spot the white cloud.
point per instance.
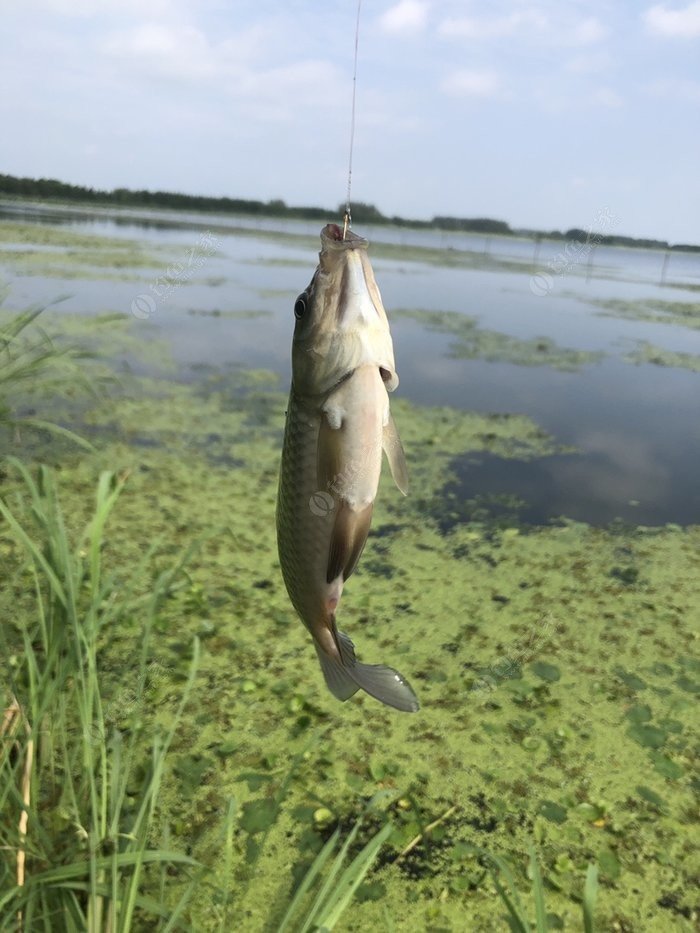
(677, 89)
(464, 83)
(186, 53)
(88, 9)
(683, 23)
(606, 97)
(472, 27)
(163, 60)
(406, 17)
(528, 23)
(589, 63)
(180, 51)
(588, 31)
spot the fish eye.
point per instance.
(300, 306)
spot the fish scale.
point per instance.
(302, 533)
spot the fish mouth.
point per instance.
(357, 300)
(332, 238)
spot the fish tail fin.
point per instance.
(338, 681)
(345, 675)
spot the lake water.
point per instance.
(636, 426)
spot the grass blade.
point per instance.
(538, 893)
(509, 896)
(314, 871)
(54, 429)
(351, 879)
(58, 689)
(590, 895)
(327, 885)
(229, 829)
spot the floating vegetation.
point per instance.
(656, 311)
(56, 252)
(473, 342)
(557, 671)
(38, 235)
(243, 314)
(33, 366)
(279, 261)
(659, 356)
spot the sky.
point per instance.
(548, 115)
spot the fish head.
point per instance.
(340, 321)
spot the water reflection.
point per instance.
(593, 486)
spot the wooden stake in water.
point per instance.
(347, 219)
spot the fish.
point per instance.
(338, 422)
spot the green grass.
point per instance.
(324, 902)
(555, 667)
(76, 818)
(78, 799)
(32, 363)
(518, 916)
(494, 740)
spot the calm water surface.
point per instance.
(637, 427)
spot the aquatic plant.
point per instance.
(504, 882)
(342, 880)
(31, 362)
(557, 665)
(78, 797)
(77, 803)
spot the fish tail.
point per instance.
(345, 676)
(338, 681)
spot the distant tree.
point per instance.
(475, 224)
(364, 213)
(577, 235)
(52, 189)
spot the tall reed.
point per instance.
(75, 835)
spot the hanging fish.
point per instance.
(338, 422)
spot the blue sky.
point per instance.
(544, 114)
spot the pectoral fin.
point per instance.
(347, 540)
(393, 448)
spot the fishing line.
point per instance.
(347, 219)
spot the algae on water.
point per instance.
(473, 342)
(557, 669)
(646, 352)
(554, 669)
(656, 311)
(54, 252)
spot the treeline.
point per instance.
(50, 189)
(590, 236)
